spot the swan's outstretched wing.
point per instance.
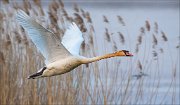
(45, 40)
(73, 39)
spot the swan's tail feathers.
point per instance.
(38, 74)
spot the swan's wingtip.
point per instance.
(20, 11)
(74, 24)
(28, 77)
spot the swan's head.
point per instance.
(38, 74)
(127, 53)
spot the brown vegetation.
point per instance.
(106, 82)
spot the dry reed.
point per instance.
(148, 27)
(177, 46)
(107, 35)
(121, 21)
(140, 65)
(88, 17)
(2, 59)
(5, 1)
(156, 27)
(27, 6)
(164, 36)
(76, 8)
(137, 48)
(83, 13)
(105, 19)
(122, 39)
(142, 30)
(155, 54)
(161, 50)
(139, 39)
(105, 82)
(155, 41)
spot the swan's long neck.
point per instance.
(90, 60)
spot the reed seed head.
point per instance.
(156, 27)
(142, 30)
(148, 27)
(107, 35)
(139, 65)
(5, 1)
(61, 3)
(155, 54)
(76, 8)
(105, 19)
(137, 48)
(37, 2)
(114, 46)
(78, 18)
(122, 39)
(161, 50)
(121, 21)
(139, 39)
(83, 13)
(88, 17)
(164, 36)
(155, 41)
(177, 46)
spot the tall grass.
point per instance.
(105, 82)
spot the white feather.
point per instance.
(73, 39)
(44, 39)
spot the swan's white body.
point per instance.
(61, 57)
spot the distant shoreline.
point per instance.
(119, 3)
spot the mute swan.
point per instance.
(61, 57)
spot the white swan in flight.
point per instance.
(61, 57)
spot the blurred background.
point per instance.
(148, 29)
